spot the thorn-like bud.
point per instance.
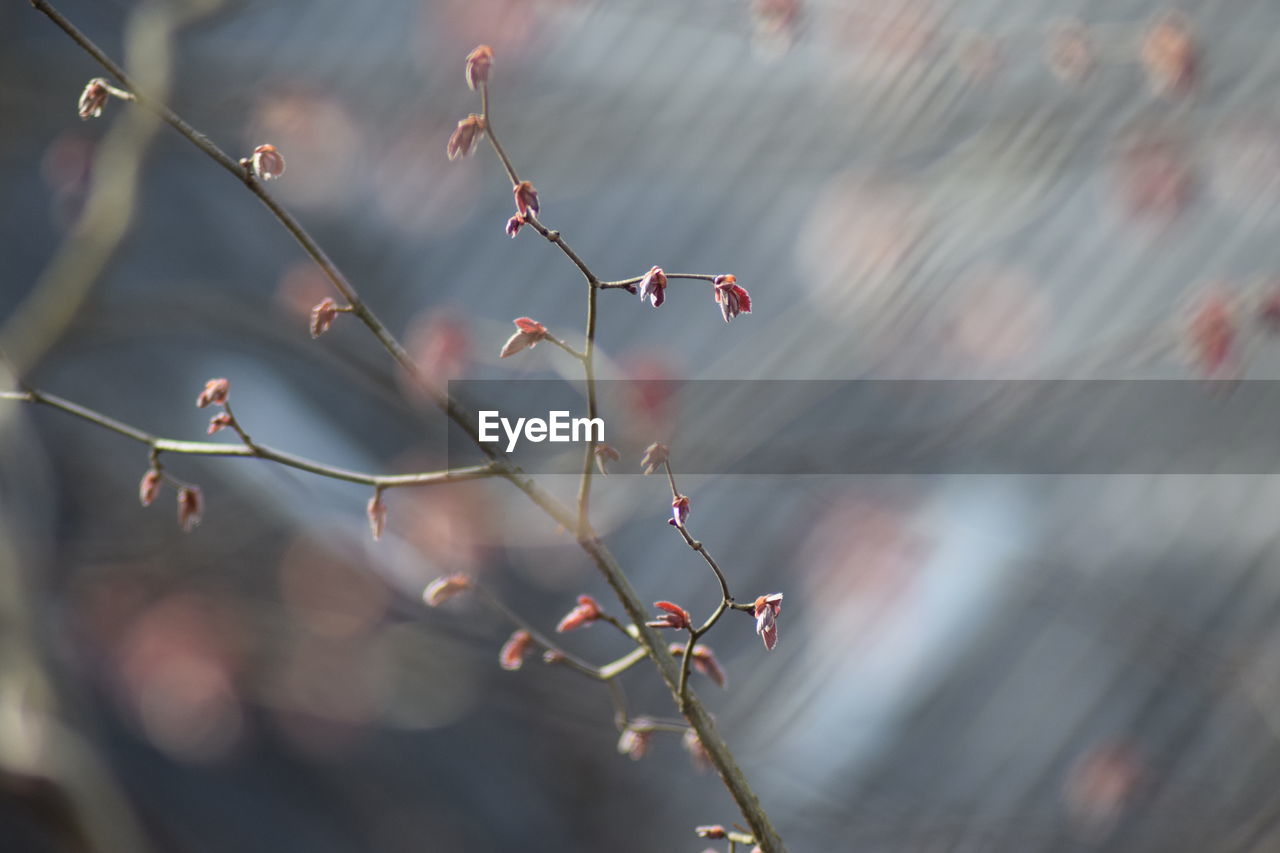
(214, 393)
(654, 286)
(604, 455)
(479, 63)
(528, 333)
(767, 609)
(322, 316)
(673, 616)
(514, 650)
(466, 136)
(267, 163)
(377, 512)
(655, 455)
(733, 299)
(442, 589)
(149, 488)
(526, 199)
(219, 421)
(94, 98)
(584, 614)
(190, 507)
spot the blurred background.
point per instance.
(944, 189)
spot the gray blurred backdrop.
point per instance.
(908, 188)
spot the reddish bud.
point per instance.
(584, 614)
(654, 286)
(267, 163)
(94, 98)
(149, 488)
(528, 333)
(479, 62)
(655, 456)
(190, 507)
(715, 831)
(220, 421)
(514, 224)
(767, 609)
(322, 316)
(704, 661)
(514, 650)
(442, 589)
(526, 199)
(733, 299)
(697, 752)
(1169, 56)
(377, 512)
(636, 737)
(674, 616)
(214, 393)
(466, 136)
(679, 511)
(605, 454)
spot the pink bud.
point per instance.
(377, 512)
(514, 650)
(442, 589)
(94, 98)
(551, 656)
(514, 224)
(322, 316)
(715, 831)
(697, 752)
(704, 661)
(526, 199)
(767, 609)
(655, 455)
(584, 614)
(654, 286)
(466, 136)
(636, 737)
(214, 393)
(734, 300)
(679, 511)
(190, 507)
(149, 488)
(1211, 331)
(479, 61)
(267, 162)
(605, 454)
(674, 616)
(528, 333)
(219, 421)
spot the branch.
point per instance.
(260, 451)
(697, 715)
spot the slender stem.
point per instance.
(569, 660)
(630, 282)
(686, 661)
(588, 454)
(212, 448)
(564, 346)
